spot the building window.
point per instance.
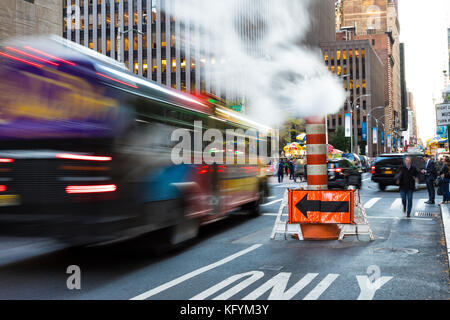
(373, 42)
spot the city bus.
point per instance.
(86, 150)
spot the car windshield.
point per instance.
(348, 156)
(389, 161)
(333, 165)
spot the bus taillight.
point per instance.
(3, 188)
(82, 157)
(6, 160)
(91, 189)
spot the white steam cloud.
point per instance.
(256, 52)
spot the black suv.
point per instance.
(343, 173)
(385, 166)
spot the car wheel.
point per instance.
(382, 187)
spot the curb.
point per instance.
(445, 214)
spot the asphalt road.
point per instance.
(236, 259)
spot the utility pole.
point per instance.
(119, 39)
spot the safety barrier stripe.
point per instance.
(316, 139)
(316, 149)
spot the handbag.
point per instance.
(438, 181)
(398, 176)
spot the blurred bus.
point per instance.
(85, 150)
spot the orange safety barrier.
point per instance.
(321, 207)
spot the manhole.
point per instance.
(401, 250)
(271, 268)
(425, 214)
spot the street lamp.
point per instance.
(352, 106)
(119, 39)
(384, 129)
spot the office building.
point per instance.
(30, 17)
(362, 73)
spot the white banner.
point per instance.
(375, 135)
(348, 125)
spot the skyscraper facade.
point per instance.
(377, 21)
(30, 17)
(148, 37)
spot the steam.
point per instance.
(277, 75)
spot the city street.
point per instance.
(235, 259)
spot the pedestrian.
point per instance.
(280, 172)
(405, 177)
(430, 177)
(299, 168)
(444, 174)
(286, 167)
(291, 170)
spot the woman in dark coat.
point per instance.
(406, 177)
(444, 173)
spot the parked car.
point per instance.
(343, 173)
(385, 166)
(354, 158)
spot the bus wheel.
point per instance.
(253, 207)
(175, 236)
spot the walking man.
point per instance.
(280, 172)
(430, 176)
(406, 177)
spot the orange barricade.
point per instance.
(321, 207)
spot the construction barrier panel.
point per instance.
(321, 207)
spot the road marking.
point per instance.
(273, 214)
(194, 273)
(369, 204)
(321, 287)
(254, 276)
(400, 218)
(369, 288)
(396, 203)
(272, 202)
(278, 285)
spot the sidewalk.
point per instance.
(445, 214)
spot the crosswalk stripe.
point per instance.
(321, 287)
(271, 202)
(369, 204)
(396, 203)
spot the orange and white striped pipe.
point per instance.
(316, 153)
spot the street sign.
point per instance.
(305, 205)
(443, 114)
(326, 207)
